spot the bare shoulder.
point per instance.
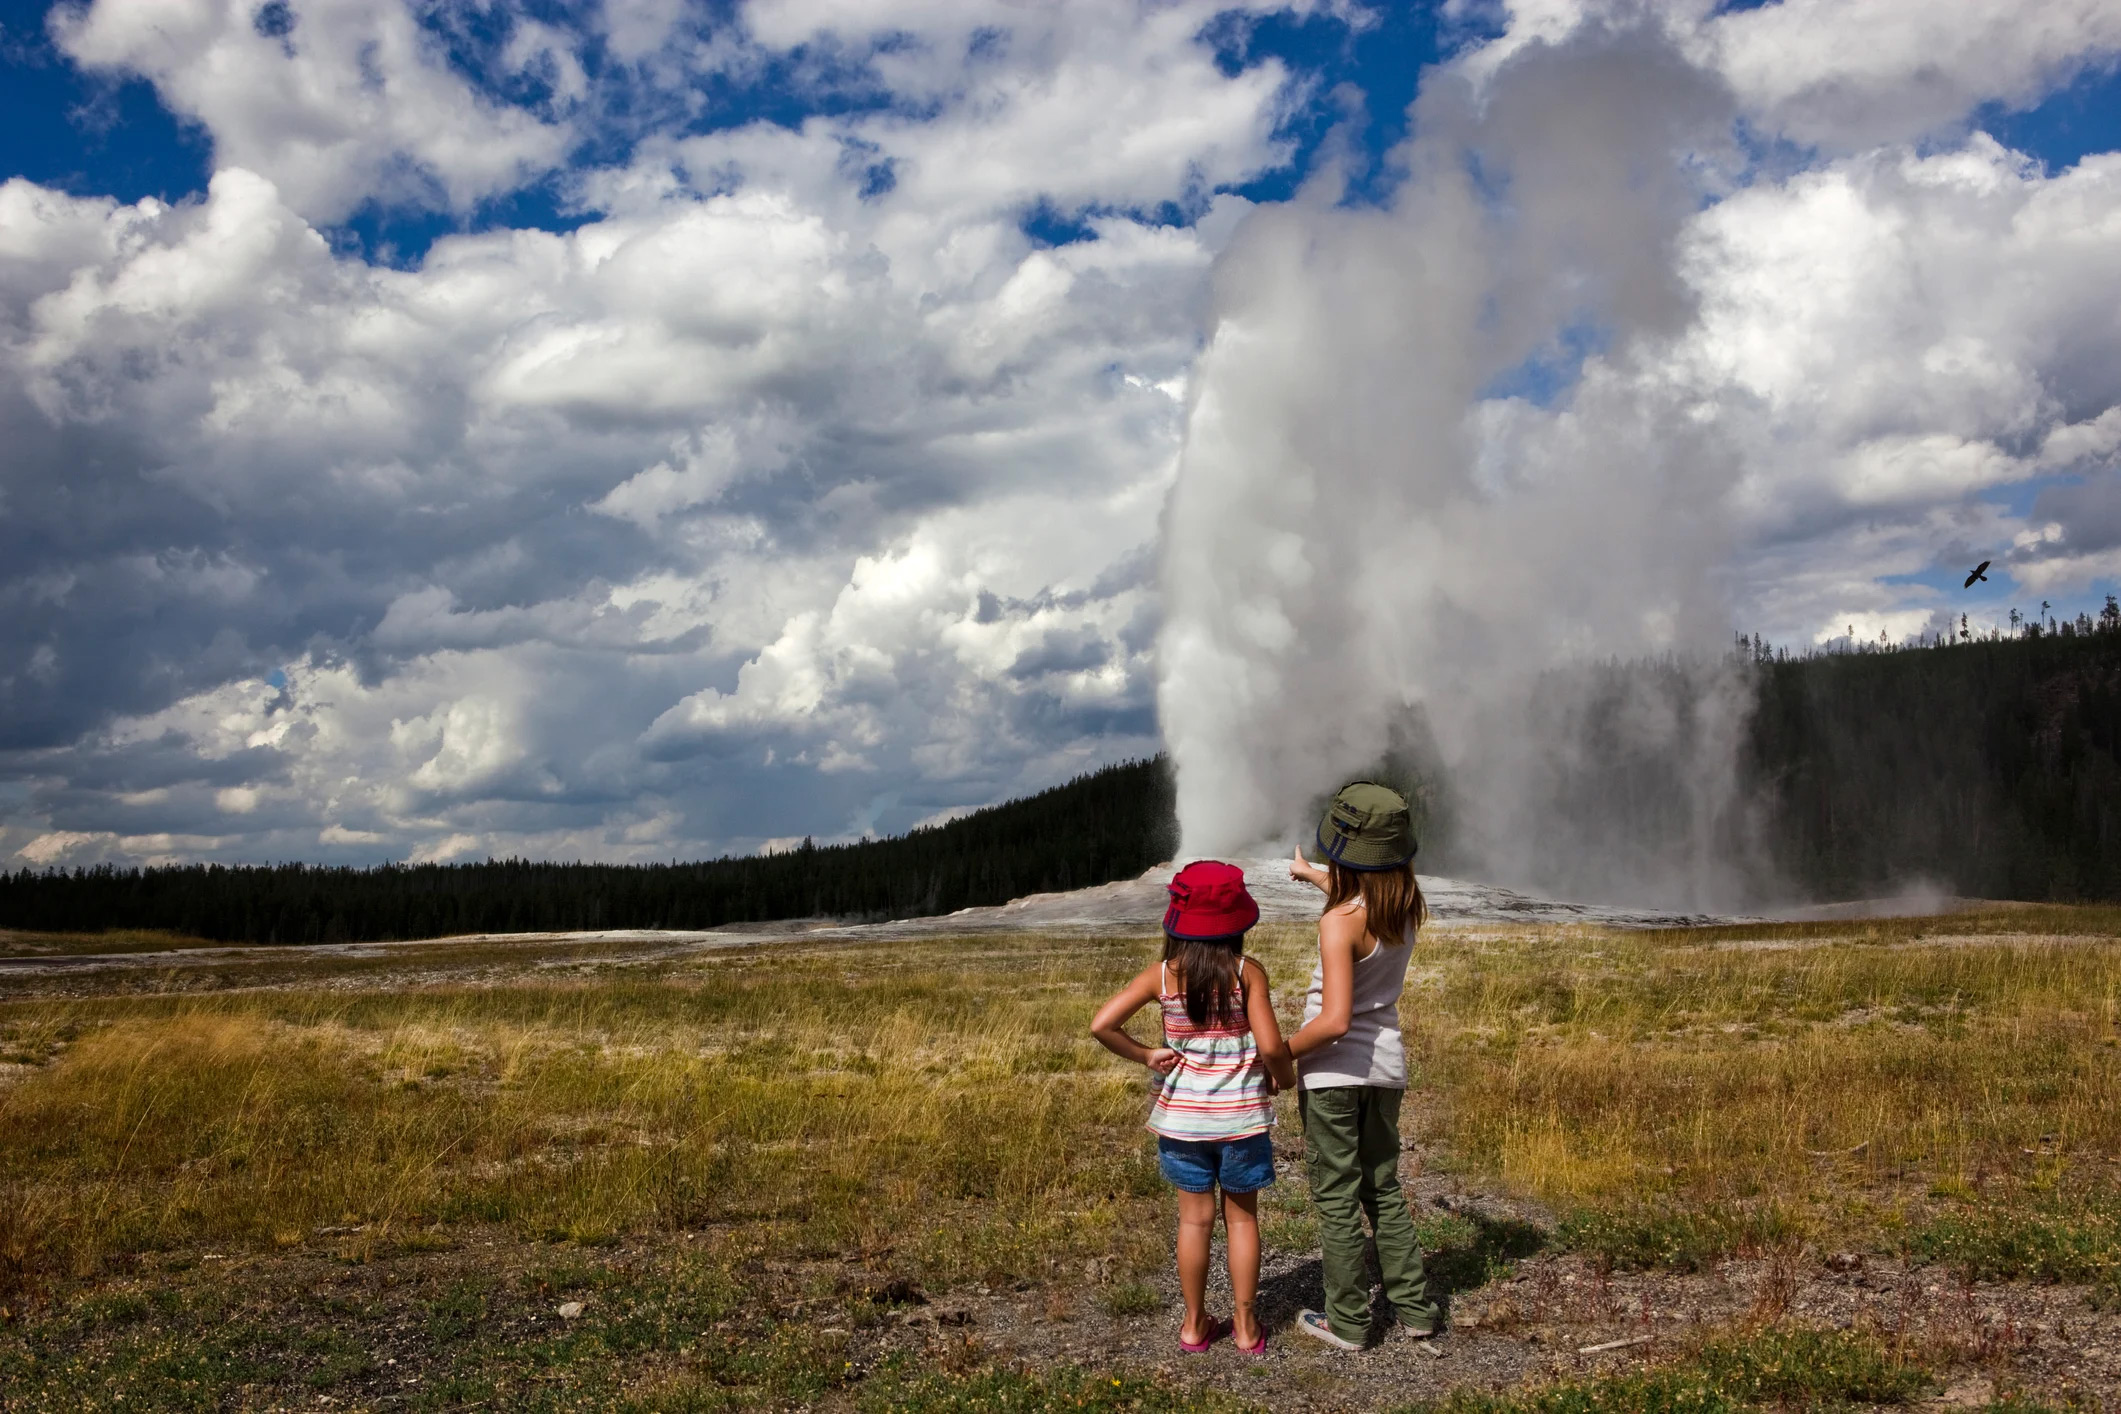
(1343, 925)
(1255, 968)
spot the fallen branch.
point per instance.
(1604, 1346)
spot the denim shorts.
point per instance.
(1234, 1165)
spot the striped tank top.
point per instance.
(1218, 1089)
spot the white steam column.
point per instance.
(1361, 521)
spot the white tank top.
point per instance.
(1372, 1052)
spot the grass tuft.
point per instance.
(1132, 1298)
(1675, 1238)
(1788, 1367)
(1025, 1392)
(2057, 1239)
(1464, 1251)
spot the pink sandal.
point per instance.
(1259, 1349)
(1217, 1329)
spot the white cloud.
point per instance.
(355, 100)
(1897, 335)
(1866, 626)
(757, 506)
(1850, 74)
(444, 850)
(237, 800)
(73, 847)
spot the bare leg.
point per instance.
(1196, 1225)
(1241, 1230)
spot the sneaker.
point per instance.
(1315, 1325)
(1415, 1332)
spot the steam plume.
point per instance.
(1361, 529)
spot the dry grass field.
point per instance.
(1873, 1163)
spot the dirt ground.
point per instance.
(1534, 1324)
(1547, 1315)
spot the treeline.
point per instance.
(1989, 766)
(1983, 762)
(1105, 825)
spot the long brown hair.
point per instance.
(1391, 897)
(1207, 969)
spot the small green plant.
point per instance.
(2025, 1404)
(113, 1308)
(1287, 1220)
(1064, 1391)
(1778, 1367)
(333, 1359)
(1132, 1298)
(1674, 1238)
(458, 1311)
(2061, 1239)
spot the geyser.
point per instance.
(1393, 500)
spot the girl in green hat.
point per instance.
(1351, 1062)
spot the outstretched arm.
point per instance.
(1110, 1024)
(1266, 1029)
(1304, 871)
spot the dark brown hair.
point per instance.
(1391, 897)
(1207, 969)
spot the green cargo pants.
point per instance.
(1351, 1154)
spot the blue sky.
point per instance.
(108, 134)
(644, 427)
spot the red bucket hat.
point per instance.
(1208, 900)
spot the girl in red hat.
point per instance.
(1221, 1060)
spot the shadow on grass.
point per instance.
(1460, 1252)
(1468, 1250)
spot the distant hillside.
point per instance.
(1106, 825)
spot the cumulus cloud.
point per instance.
(336, 102)
(774, 500)
(1845, 75)
(1893, 337)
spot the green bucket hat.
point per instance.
(1368, 827)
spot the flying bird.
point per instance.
(1980, 573)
